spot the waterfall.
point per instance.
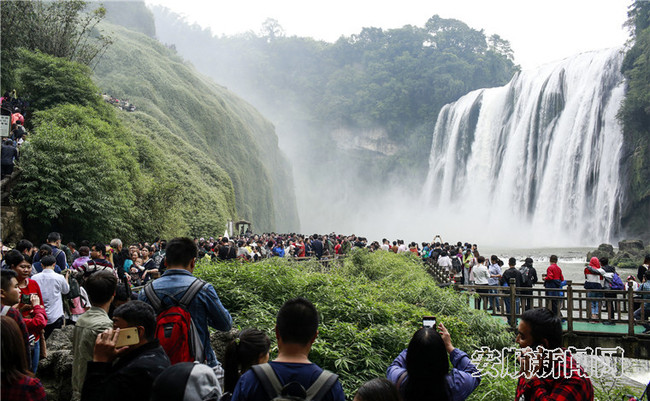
(537, 159)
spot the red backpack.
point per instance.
(175, 328)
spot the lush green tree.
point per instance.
(61, 28)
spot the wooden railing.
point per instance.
(572, 304)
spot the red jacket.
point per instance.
(554, 273)
(35, 319)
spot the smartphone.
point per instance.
(128, 336)
(25, 299)
(429, 321)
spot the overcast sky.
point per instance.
(539, 31)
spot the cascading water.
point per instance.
(536, 160)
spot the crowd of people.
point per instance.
(156, 344)
(17, 108)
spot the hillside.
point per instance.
(189, 158)
(175, 104)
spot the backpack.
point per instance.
(293, 391)
(525, 276)
(456, 265)
(617, 283)
(175, 328)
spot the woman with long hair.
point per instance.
(421, 372)
(250, 347)
(31, 303)
(17, 381)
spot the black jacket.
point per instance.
(128, 378)
(512, 273)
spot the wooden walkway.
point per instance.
(573, 303)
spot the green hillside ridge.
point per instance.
(92, 172)
(213, 121)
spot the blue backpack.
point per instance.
(617, 283)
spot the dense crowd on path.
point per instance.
(155, 345)
(17, 108)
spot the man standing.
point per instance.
(206, 308)
(296, 329)
(554, 279)
(125, 373)
(52, 285)
(547, 371)
(529, 277)
(54, 240)
(511, 272)
(317, 246)
(101, 290)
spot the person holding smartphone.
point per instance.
(127, 358)
(421, 372)
(31, 303)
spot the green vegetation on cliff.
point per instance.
(191, 157)
(370, 307)
(208, 117)
(635, 115)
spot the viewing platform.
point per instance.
(614, 324)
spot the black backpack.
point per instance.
(525, 276)
(293, 391)
(456, 265)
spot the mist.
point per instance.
(360, 180)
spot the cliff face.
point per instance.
(213, 122)
(635, 115)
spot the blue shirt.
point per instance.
(248, 387)
(460, 382)
(495, 270)
(206, 308)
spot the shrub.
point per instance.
(370, 306)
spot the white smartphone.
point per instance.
(429, 321)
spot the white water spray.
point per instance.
(535, 162)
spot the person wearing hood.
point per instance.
(186, 381)
(594, 275)
(529, 279)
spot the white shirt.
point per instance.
(481, 274)
(53, 285)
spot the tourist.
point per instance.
(511, 273)
(205, 309)
(612, 282)
(296, 330)
(130, 377)
(554, 279)
(594, 276)
(43, 251)
(101, 290)
(529, 279)
(643, 268)
(18, 383)
(379, 389)
(421, 372)
(9, 156)
(54, 241)
(444, 261)
(555, 375)
(10, 296)
(33, 311)
(645, 286)
(481, 277)
(250, 347)
(187, 381)
(495, 275)
(53, 286)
